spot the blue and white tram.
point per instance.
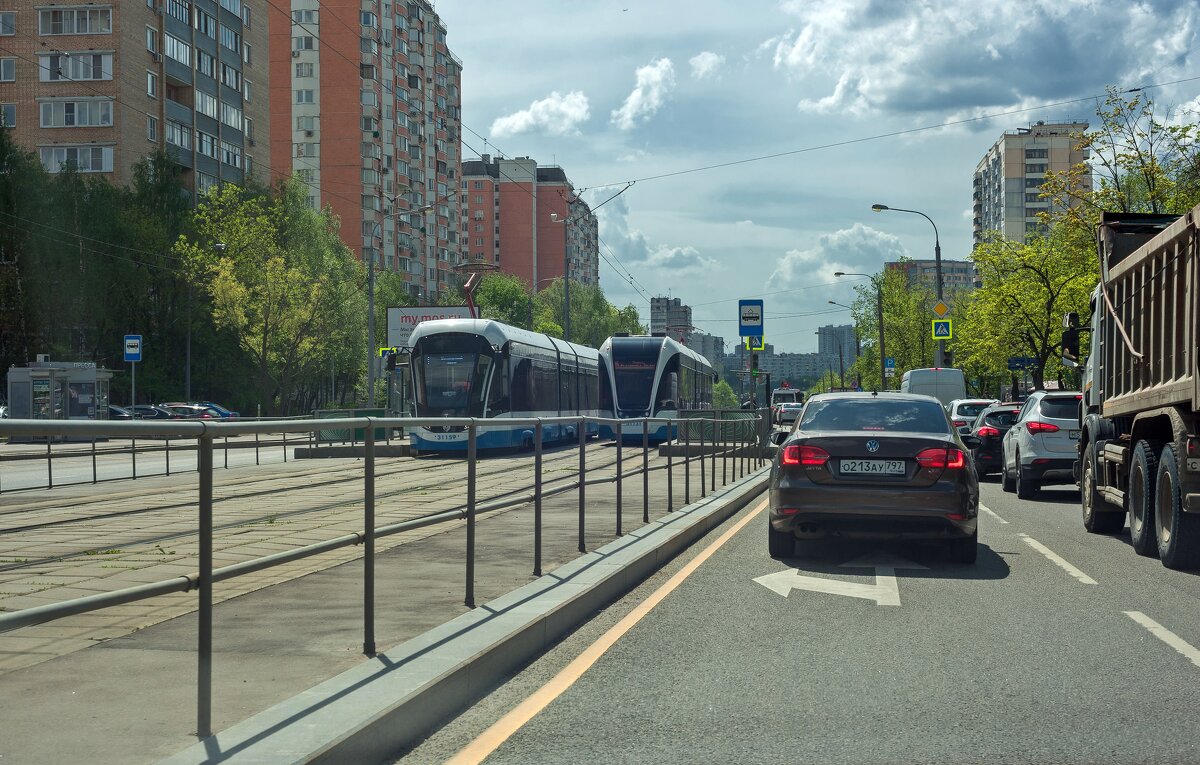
(482, 368)
(653, 377)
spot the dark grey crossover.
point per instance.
(866, 465)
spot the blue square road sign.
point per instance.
(133, 347)
(750, 318)
(943, 329)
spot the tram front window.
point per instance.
(633, 372)
(448, 383)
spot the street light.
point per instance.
(937, 260)
(566, 276)
(879, 309)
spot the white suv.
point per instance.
(1041, 446)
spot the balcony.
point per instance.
(177, 112)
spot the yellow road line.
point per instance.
(503, 729)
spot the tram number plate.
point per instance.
(872, 467)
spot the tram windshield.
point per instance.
(633, 372)
(449, 374)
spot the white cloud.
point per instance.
(654, 83)
(632, 248)
(856, 249)
(705, 64)
(556, 114)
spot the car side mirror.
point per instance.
(1070, 347)
(971, 442)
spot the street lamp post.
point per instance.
(879, 310)
(566, 274)
(937, 262)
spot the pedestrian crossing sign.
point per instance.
(755, 343)
(943, 329)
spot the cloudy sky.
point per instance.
(853, 100)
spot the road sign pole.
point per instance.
(132, 384)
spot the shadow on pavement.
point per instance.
(826, 557)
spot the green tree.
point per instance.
(724, 397)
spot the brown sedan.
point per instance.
(866, 465)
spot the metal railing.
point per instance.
(740, 451)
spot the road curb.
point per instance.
(390, 703)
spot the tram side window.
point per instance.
(522, 389)
(499, 400)
(545, 386)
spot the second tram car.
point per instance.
(654, 377)
(482, 368)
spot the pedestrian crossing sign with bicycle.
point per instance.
(943, 329)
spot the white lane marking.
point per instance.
(992, 513)
(1190, 652)
(1057, 560)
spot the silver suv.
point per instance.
(1041, 445)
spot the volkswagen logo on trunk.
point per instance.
(872, 446)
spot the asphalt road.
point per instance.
(1057, 646)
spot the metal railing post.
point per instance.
(226, 450)
(724, 454)
(703, 481)
(49, 465)
(620, 439)
(133, 455)
(713, 462)
(285, 447)
(582, 481)
(255, 448)
(93, 460)
(645, 471)
(670, 473)
(471, 446)
(368, 542)
(687, 461)
(205, 595)
(537, 498)
(167, 454)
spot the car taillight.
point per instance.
(1041, 427)
(960, 423)
(796, 454)
(988, 430)
(942, 457)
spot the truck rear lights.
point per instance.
(1193, 446)
(956, 516)
(942, 457)
(988, 430)
(810, 456)
(1041, 427)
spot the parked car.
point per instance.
(1042, 445)
(151, 412)
(989, 427)
(119, 413)
(191, 411)
(861, 465)
(225, 413)
(788, 413)
(3, 412)
(963, 411)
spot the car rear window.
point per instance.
(971, 410)
(875, 415)
(1060, 407)
(1003, 418)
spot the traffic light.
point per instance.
(754, 364)
(391, 362)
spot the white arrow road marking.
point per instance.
(885, 591)
(992, 513)
(1170, 638)
(1057, 559)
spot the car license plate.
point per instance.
(1073, 435)
(872, 467)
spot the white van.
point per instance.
(944, 384)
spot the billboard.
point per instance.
(401, 321)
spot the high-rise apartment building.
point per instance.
(670, 316)
(526, 221)
(366, 110)
(100, 85)
(838, 341)
(711, 347)
(1007, 186)
(956, 274)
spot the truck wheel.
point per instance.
(1177, 533)
(1027, 488)
(1142, 479)
(1099, 515)
(780, 544)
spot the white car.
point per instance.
(788, 413)
(963, 412)
(1042, 445)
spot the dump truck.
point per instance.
(1139, 452)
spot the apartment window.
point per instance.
(233, 6)
(370, 202)
(152, 39)
(1036, 154)
(246, 88)
(206, 104)
(178, 50)
(151, 84)
(370, 176)
(370, 124)
(54, 67)
(248, 163)
(304, 17)
(306, 123)
(304, 96)
(368, 19)
(305, 149)
(8, 70)
(230, 39)
(247, 54)
(478, 199)
(206, 143)
(152, 129)
(8, 23)
(179, 9)
(90, 113)
(8, 115)
(231, 154)
(306, 175)
(1039, 167)
(366, 71)
(75, 21)
(179, 135)
(368, 45)
(85, 159)
(1033, 183)
(206, 24)
(246, 16)
(231, 77)
(369, 98)
(248, 130)
(479, 184)
(231, 116)
(1034, 198)
(304, 70)
(205, 183)
(206, 64)
(303, 43)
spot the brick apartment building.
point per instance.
(100, 85)
(366, 109)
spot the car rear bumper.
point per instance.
(988, 461)
(815, 511)
(1049, 469)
